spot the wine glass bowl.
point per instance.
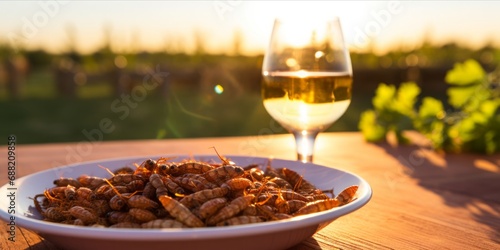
(307, 79)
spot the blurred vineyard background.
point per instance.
(48, 97)
(54, 97)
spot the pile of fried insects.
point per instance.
(165, 194)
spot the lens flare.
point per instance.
(218, 89)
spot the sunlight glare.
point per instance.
(319, 54)
(291, 62)
(218, 89)
(351, 15)
(302, 74)
(304, 113)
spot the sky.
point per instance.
(175, 25)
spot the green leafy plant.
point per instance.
(471, 125)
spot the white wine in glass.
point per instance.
(307, 79)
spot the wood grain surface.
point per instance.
(421, 199)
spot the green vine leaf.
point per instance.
(394, 111)
(460, 96)
(372, 131)
(384, 96)
(473, 127)
(469, 72)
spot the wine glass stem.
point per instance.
(304, 142)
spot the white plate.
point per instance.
(267, 235)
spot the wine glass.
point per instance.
(307, 79)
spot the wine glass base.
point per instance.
(304, 158)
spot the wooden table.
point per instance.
(421, 200)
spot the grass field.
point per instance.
(41, 117)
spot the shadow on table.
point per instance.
(474, 177)
(43, 245)
(307, 244)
